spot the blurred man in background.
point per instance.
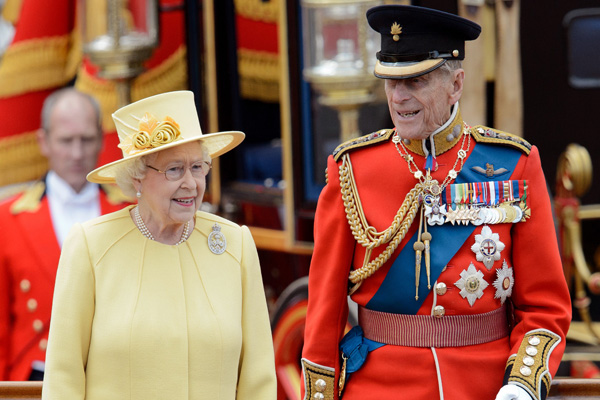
(36, 221)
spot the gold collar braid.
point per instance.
(367, 235)
(443, 140)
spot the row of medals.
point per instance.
(476, 214)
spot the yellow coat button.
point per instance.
(439, 311)
(43, 344)
(32, 305)
(38, 325)
(25, 285)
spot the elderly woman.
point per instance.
(160, 300)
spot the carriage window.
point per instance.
(583, 38)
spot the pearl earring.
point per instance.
(138, 194)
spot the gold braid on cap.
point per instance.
(367, 235)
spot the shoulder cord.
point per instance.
(367, 235)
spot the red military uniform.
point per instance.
(498, 308)
(28, 260)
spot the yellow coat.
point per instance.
(137, 319)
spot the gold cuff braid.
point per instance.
(529, 369)
(319, 381)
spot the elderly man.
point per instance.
(442, 233)
(35, 223)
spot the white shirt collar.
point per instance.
(62, 191)
(68, 207)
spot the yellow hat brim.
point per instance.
(216, 144)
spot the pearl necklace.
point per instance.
(142, 227)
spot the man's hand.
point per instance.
(512, 392)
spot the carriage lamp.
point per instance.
(339, 56)
(118, 36)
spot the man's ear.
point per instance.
(458, 78)
(42, 139)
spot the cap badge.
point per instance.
(216, 240)
(396, 31)
(151, 133)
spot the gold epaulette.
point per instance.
(484, 134)
(12, 10)
(114, 195)
(366, 140)
(529, 368)
(30, 200)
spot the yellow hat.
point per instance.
(157, 123)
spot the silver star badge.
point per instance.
(487, 247)
(504, 282)
(471, 284)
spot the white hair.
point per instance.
(451, 66)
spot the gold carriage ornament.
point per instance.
(573, 180)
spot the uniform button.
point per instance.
(38, 325)
(440, 289)
(439, 311)
(319, 396)
(32, 305)
(525, 371)
(43, 344)
(529, 361)
(530, 350)
(534, 340)
(320, 385)
(25, 285)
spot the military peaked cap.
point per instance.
(417, 40)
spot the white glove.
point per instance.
(512, 392)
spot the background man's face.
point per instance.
(73, 143)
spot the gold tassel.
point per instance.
(419, 246)
(427, 241)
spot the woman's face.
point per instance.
(164, 202)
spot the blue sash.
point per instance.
(397, 292)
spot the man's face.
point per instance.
(420, 105)
(73, 143)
